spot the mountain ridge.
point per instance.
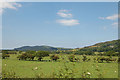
(37, 48)
(102, 46)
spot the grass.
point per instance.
(26, 69)
(0, 64)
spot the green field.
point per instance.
(0, 64)
(26, 69)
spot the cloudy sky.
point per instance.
(69, 25)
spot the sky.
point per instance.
(58, 24)
(59, 0)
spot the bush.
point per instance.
(4, 52)
(31, 52)
(24, 56)
(31, 56)
(54, 57)
(4, 56)
(12, 52)
(84, 58)
(118, 60)
(71, 58)
(9, 52)
(41, 54)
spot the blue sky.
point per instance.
(64, 24)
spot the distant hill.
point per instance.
(99, 47)
(102, 47)
(37, 48)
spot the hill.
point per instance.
(103, 46)
(37, 48)
(99, 47)
(108, 47)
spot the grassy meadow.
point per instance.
(62, 68)
(0, 64)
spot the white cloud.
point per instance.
(113, 17)
(66, 22)
(115, 24)
(70, 22)
(8, 5)
(64, 14)
(101, 18)
(63, 10)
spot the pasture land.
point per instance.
(60, 68)
(0, 64)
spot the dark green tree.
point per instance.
(54, 57)
(41, 54)
(71, 58)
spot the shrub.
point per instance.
(6, 74)
(118, 60)
(9, 52)
(4, 56)
(20, 52)
(24, 56)
(12, 52)
(77, 59)
(71, 58)
(4, 52)
(41, 54)
(54, 57)
(31, 56)
(84, 58)
(31, 52)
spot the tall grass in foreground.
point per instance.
(65, 71)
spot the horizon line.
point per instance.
(59, 46)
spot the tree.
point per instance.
(119, 60)
(4, 52)
(24, 56)
(71, 58)
(9, 52)
(20, 52)
(31, 52)
(31, 56)
(110, 53)
(54, 57)
(41, 54)
(12, 52)
(84, 58)
(4, 56)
